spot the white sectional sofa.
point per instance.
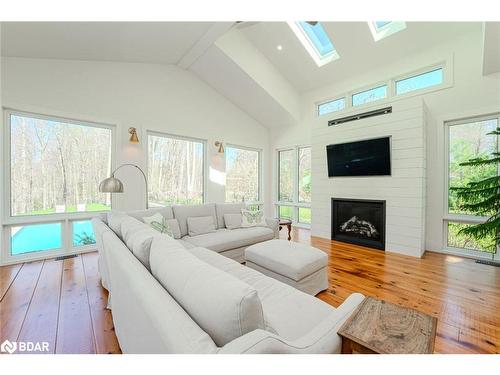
(167, 297)
(230, 243)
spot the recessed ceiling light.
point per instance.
(279, 47)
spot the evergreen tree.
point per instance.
(483, 198)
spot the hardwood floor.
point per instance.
(63, 303)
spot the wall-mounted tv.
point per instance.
(363, 158)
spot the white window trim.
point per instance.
(182, 138)
(260, 174)
(311, 48)
(460, 218)
(295, 181)
(446, 64)
(65, 219)
(389, 29)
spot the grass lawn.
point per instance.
(91, 207)
(286, 212)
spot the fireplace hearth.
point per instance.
(359, 221)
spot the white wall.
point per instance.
(471, 94)
(161, 98)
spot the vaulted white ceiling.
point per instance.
(140, 42)
(353, 41)
(242, 61)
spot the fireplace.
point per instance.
(359, 221)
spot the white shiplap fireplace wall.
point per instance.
(403, 191)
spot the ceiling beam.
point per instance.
(204, 43)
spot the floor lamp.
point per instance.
(114, 185)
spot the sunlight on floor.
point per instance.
(452, 259)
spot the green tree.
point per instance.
(482, 197)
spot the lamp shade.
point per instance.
(111, 185)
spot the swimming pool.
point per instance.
(41, 237)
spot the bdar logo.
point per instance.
(8, 347)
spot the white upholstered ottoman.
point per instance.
(292, 263)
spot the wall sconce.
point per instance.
(220, 147)
(133, 135)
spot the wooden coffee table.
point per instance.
(286, 223)
(381, 327)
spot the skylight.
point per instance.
(383, 29)
(313, 37)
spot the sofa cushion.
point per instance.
(227, 208)
(232, 221)
(162, 225)
(129, 226)
(225, 239)
(166, 212)
(115, 219)
(200, 225)
(223, 306)
(287, 311)
(181, 213)
(137, 237)
(251, 218)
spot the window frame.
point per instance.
(295, 204)
(311, 48)
(461, 218)
(446, 64)
(390, 28)
(182, 138)
(66, 219)
(260, 185)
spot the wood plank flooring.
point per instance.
(60, 302)
(63, 303)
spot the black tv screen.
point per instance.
(364, 158)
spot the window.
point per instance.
(53, 168)
(420, 81)
(294, 184)
(285, 173)
(32, 238)
(315, 40)
(467, 139)
(56, 166)
(175, 170)
(331, 106)
(83, 234)
(383, 29)
(242, 174)
(305, 174)
(370, 95)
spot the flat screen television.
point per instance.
(363, 158)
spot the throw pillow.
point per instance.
(252, 218)
(159, 223)
(200, 225)
(232, 221)
(169, 227)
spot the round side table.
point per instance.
(288, 224)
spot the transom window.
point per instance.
(242, 174)
(315, 40)
(175, 170)
(419, 81)
(370, 95)
(331, 106)
(435, 77)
